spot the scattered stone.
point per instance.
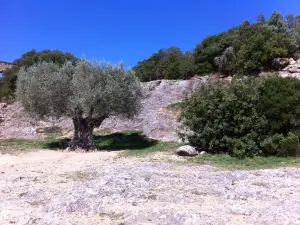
(186, 150)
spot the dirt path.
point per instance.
(48, 187)
(51, 162)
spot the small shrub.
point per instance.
(289, 146)
(281, 146)
(270, 145)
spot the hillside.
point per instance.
(155, 120)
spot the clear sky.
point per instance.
(121, 30)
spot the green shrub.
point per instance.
(270, 145)
(289, 146)
(245, 118)
(223, 119)
(280, 104)
(281, 145)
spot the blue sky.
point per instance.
(121, 30)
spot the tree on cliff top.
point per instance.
(87, 92)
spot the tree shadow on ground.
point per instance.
(112, 142)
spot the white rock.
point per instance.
(292, 61)
(186, 150)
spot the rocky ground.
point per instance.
(47, 187)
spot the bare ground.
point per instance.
(52, 187)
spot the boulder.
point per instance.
(186, 150)
(203, 153)
(280, 63)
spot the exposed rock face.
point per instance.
(14, 123)
(280, 63)
(292, 70)
(186, 150)
(155, 120)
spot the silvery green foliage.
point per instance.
(96, 89)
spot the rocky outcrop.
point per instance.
(292, 70)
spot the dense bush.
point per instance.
(223, 119)
(245, 118)
(280, 104)
(8, 81)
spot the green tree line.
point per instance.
(245, 49)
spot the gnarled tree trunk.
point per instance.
(83, 132)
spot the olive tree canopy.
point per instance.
(87, 92)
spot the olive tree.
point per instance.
(88, 93)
